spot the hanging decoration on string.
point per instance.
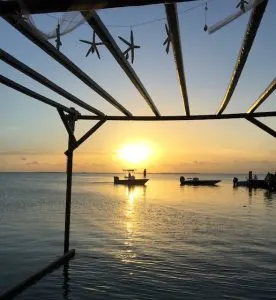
(242, 4)
(70, 20)
(168, 40)
(131, 47)
(94, 45)
(58, 41)
(205, 28)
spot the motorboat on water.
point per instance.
(196, 181)
(269, 182)
(130, 179)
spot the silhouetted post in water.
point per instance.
(250, 176)
(235, 182)
(66, 279)
(71, 142)
(145, 173)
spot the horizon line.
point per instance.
(91, 172)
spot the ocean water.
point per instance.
(161, 241)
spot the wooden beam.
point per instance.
(262, 126)
(13, 292)
(66, 122)
(96, 23)
(172, 17)
(11, 7)
(12, 61)
(180, 118)
(86, 136)
(268, 91)
(20, 88)
(69, 171)
(34, 35)
(249, 37)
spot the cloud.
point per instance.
(11, 153)
(23, 158)
(24, 153)
(34, 162)
(197, 162)
(250, 161)
(14, 128)
(95, 153)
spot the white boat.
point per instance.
(130, 179)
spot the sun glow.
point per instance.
(135, 153)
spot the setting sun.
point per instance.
(135, 153)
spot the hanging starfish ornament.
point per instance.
(131, 47)
(168, 39)
(58, 41)
(94, 45)
(242, 4)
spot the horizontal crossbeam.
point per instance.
(9, 7)
(180, 118)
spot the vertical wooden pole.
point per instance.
(71, 123)
(250, 176)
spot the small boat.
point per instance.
(130, 179)
(268, 183)
(196, 181)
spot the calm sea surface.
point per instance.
(162, 241)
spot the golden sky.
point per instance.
(32, 136)
(205, 146)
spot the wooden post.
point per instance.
(71, 123)
(250, 176)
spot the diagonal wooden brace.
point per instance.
(86, 136)
(262, 126)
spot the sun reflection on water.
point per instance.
(133, 195)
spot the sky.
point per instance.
(32, 136)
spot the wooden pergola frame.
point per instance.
(10, 11)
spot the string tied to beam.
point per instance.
(205, 28)
(242, 5)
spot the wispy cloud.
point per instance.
(14, 128)
(200, 162)
(31, 163)
(23, 153)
